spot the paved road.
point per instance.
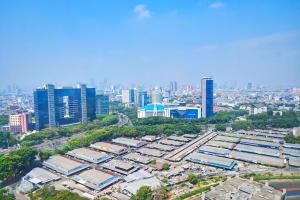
(124, 120)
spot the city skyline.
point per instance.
(149, 42)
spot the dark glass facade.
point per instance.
(41, 109)
(209, 98)
(102, 104)
(142, 99)
(184, 114)
(67, 106)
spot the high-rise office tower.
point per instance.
(249, 86)
(142, 98)
(129, 96)
(102, 104)
(207, 94)
(61, 106)
(173, 87)
(156, 96)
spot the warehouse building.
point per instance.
(191, 136)
(129, 142)
(137, 179)
(291, 152)
(150, 152)
(258, 159)
(36, 178)
(137, 158)
(161, 147)
(64, 165)
(89, 155)
(226, 145)
(238, 188)
(150, 138)
(171, 142)
(291, 146)
(227, 139)
(119, 166)
(257, 143)
(257, 150)
(210, 160)
(214, 151)
(95, 179)
(260, 138)
(263, 134)
(294, 161)
(179, 138)
(110, 148)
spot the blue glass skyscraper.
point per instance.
(55, 107)
(207, 94)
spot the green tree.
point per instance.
(292, 139)
(193, 179)
(160, 193)
(165, 166)
(3, 120)
(143, 193)
(242, 125)
(16, 162)
(49, 193)
(6, 195)
(6, 139)
(221, 127)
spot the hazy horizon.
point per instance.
(149, 42)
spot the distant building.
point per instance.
(142, 98)
(296, 90)
(20, 123)
(207, 94)
(159, 110)
(62, 106)
(184, 112)
(239, 188)
(128, 96)
(173, 87)
(102, 104)
(249, 86)
(296, 132)
(253, 110)
(152, 110)
(156, 96)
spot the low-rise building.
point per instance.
(129, 142)
(20, 123)
(211, 160)
(150, 152)
(135, 180)
(64, 165)
(119, 166)
(110, 148)
(95, 179)
(36, 178)
(89, 155)
(239, 188)
(137, 158)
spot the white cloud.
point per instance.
(142, 12)
(280, 39)
(216, 5)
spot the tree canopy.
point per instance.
(49, 193)
(144, 193)
(17, 161)
(3, 120)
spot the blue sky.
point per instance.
(149, 42)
